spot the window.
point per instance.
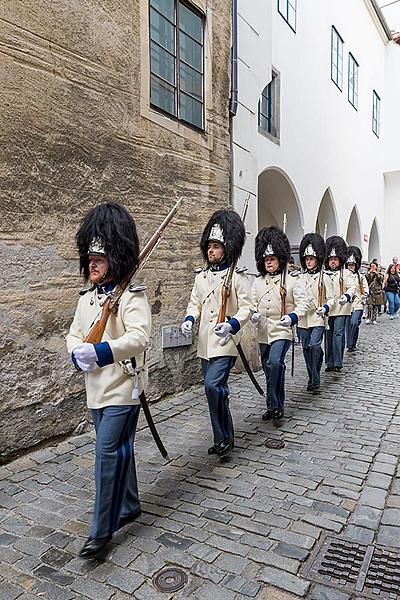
(337, 59)
(376, 113)
(287, 8)
(268, 108)
(353, 81)
(177, 60)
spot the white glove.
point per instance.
(85, 367)
(86, 354)
(321, 311)
(186, 328)
(223, 329)
(343, 300)
(255, 317)
(286, 321)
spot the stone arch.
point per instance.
(353, 235)
(374, 244)
(277, 196)
(327, 216)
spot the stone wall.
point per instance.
(74, 132)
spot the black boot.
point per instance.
(277, 418)
(268, 415)
(224, 447)
(94, 546)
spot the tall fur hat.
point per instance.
(225, 226)
(273, 241)
(109, 229)
(318, 247)
(354, 253)
(336, 246)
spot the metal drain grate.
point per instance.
(170, 580)
(373, 571)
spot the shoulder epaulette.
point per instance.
(295, 273)
(259, 275)
(241, 269)
(137, 288)
(83, 292)
(198, 270)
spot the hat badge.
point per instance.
(216, 234)
(96, 246)
(309, 251)
(269, 251)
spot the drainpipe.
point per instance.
(234, 61)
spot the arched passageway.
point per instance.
(277, 197)
(326, 223)
(374, 246)
(353, 235)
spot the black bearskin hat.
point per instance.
(225, 226)
(110, 225)
(272, 236)
(355, 252)
(336, 243)
(318, 245)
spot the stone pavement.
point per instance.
(240, 527)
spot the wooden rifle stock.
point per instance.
(111, 304)
(282, 291)
(226, 286)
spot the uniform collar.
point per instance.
(313, 271)
(219, 267)
(106, 288)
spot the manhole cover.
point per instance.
(170, 580)
(371, 570)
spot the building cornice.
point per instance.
(379, 19)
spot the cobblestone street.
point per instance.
(240, 527)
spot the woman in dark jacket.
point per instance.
(375, 298)
(392, 286)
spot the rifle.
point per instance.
(282, 288)
(227, 285)
(111, 304)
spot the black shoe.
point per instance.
(212, 450)
(351, 349)
(337, 369)
(268, 415)
(129, 518)
(94, 546)
(329, 369)
(224, 447)
(277, 418)
(310, 387)
(315, 389)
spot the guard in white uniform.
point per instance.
(319, 290)
(221, 244)
(280, 300)
(109, 249)
(360, 298)
(344, 288)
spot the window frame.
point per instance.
(284, 16)
(376, 113)
(353, 98)
(267, 117)
(178, 91)
(334, 32)
(272, 117)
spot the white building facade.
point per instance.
(317, 122)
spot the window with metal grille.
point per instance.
(264, 109)
(288, 9)
(376, 113)
(353, 81)
(269, 108)
(177, 60)
(337, 58)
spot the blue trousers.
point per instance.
(311, 340)
(115, 471)
(335, 341)
(273, 364)
(353, 328)
(216, 372)
(393, 301)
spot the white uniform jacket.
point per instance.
(311, 283)
(205, 303)
(349, 288)
(267, 301)
(362, 289)
(127, 333)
